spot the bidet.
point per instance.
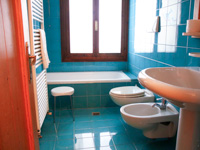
(151, 120)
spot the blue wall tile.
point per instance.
(94, 89)
(170, 48)
(107, 102)
(89, 95)
(80, 90)
(94, 101)
(80, 102)
(105, 88)
(183, 12)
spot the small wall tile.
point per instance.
(193, 42)
(183, 12)
(80, 89)
(94, 101)
(106, 87)
(172, 14)
(107, 102)
(80, 102)
(94, 89)
(181, 40)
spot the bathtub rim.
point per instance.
(56, 82)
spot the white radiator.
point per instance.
(35, 11)
(42, 96)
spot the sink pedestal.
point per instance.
(189, 130)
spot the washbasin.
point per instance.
(180, 86)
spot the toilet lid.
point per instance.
(129, 91)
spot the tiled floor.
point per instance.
(104, 132)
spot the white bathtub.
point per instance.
(87, 77)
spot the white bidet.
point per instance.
(154, 122)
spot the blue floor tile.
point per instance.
(84, 133)
(164, 144)
(64, 144)
(84, 143)
(83, 125)
(65, 128)
(48, 137)
(99, 123)
(107, 131)
(49, 129)
(106, 148)
(101, 132)
(65, 136)
(114, 123)
(83, 118)
(80, 112)
(65, 119)
(96, 118)
(65, 113)
(49, 119)
(48, 145)
(117, 130)
(121, 139)
(125, 147)
(103, 141)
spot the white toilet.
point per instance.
(130, 94)
(154, 122)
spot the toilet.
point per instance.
(154, 122)
(130, 94)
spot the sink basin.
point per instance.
(180, 86)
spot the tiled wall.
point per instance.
(166, 48)
(88, 95)
(52, 28)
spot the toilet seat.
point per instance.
(128, 96)
(127, 91)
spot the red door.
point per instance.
(16, 125)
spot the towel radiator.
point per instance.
(35, 14)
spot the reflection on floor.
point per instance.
(104, 132)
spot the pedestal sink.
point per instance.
(181, 87)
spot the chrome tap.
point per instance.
(163, 105)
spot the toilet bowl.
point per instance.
(130, 94)
(154, 122)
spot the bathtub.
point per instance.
(87, 77)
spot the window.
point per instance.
(94, 30)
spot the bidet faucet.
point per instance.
(163, 105)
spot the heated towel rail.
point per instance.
(35, 13)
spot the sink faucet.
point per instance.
(163, 105)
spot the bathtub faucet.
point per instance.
(163, 105)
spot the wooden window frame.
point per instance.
(95, 56)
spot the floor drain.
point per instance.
(95, 113)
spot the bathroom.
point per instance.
(95, 122)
